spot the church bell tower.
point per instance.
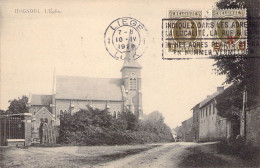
(131, 84)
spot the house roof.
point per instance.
(38, 99)
(85, 88)
(209, 98)
(196, 106)
(43, 109)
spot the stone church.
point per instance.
(72, 93)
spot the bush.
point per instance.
(98, 127)
(238, 147)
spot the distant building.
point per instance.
(187, 130)
(195, 122)
(72, 93)
(174, 134)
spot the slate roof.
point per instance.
(85, 88)
(37, 99)
(209, 98)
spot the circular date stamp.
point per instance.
(125, 35)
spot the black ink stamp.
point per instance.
(124, 35)
(190, 34)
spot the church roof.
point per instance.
(38, 99)
(85, 88)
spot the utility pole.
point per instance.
(243, 131)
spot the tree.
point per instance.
(2, 112)
(18, 105)
(156, 117)
(178, 131)
(129, 118)
(242, 71)
(155, 124)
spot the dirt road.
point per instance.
(172, 155)
(167, 155)
(181, 155)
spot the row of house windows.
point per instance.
(207, 111)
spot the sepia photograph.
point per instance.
(130, 84)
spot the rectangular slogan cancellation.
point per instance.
(199, 34)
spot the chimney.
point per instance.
(220, 89)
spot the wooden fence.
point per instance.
(50, 134)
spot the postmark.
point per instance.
(124, 35)
(197, 34)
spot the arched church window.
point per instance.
(132, 84)
(61, 112)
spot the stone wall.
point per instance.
(253, 126)
(223, 128)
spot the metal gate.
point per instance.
(11, 127)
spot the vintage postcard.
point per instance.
(136, 83)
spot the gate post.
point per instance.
(27, 128)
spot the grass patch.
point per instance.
(197, 158)
(238, 148)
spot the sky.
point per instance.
(73, 42)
